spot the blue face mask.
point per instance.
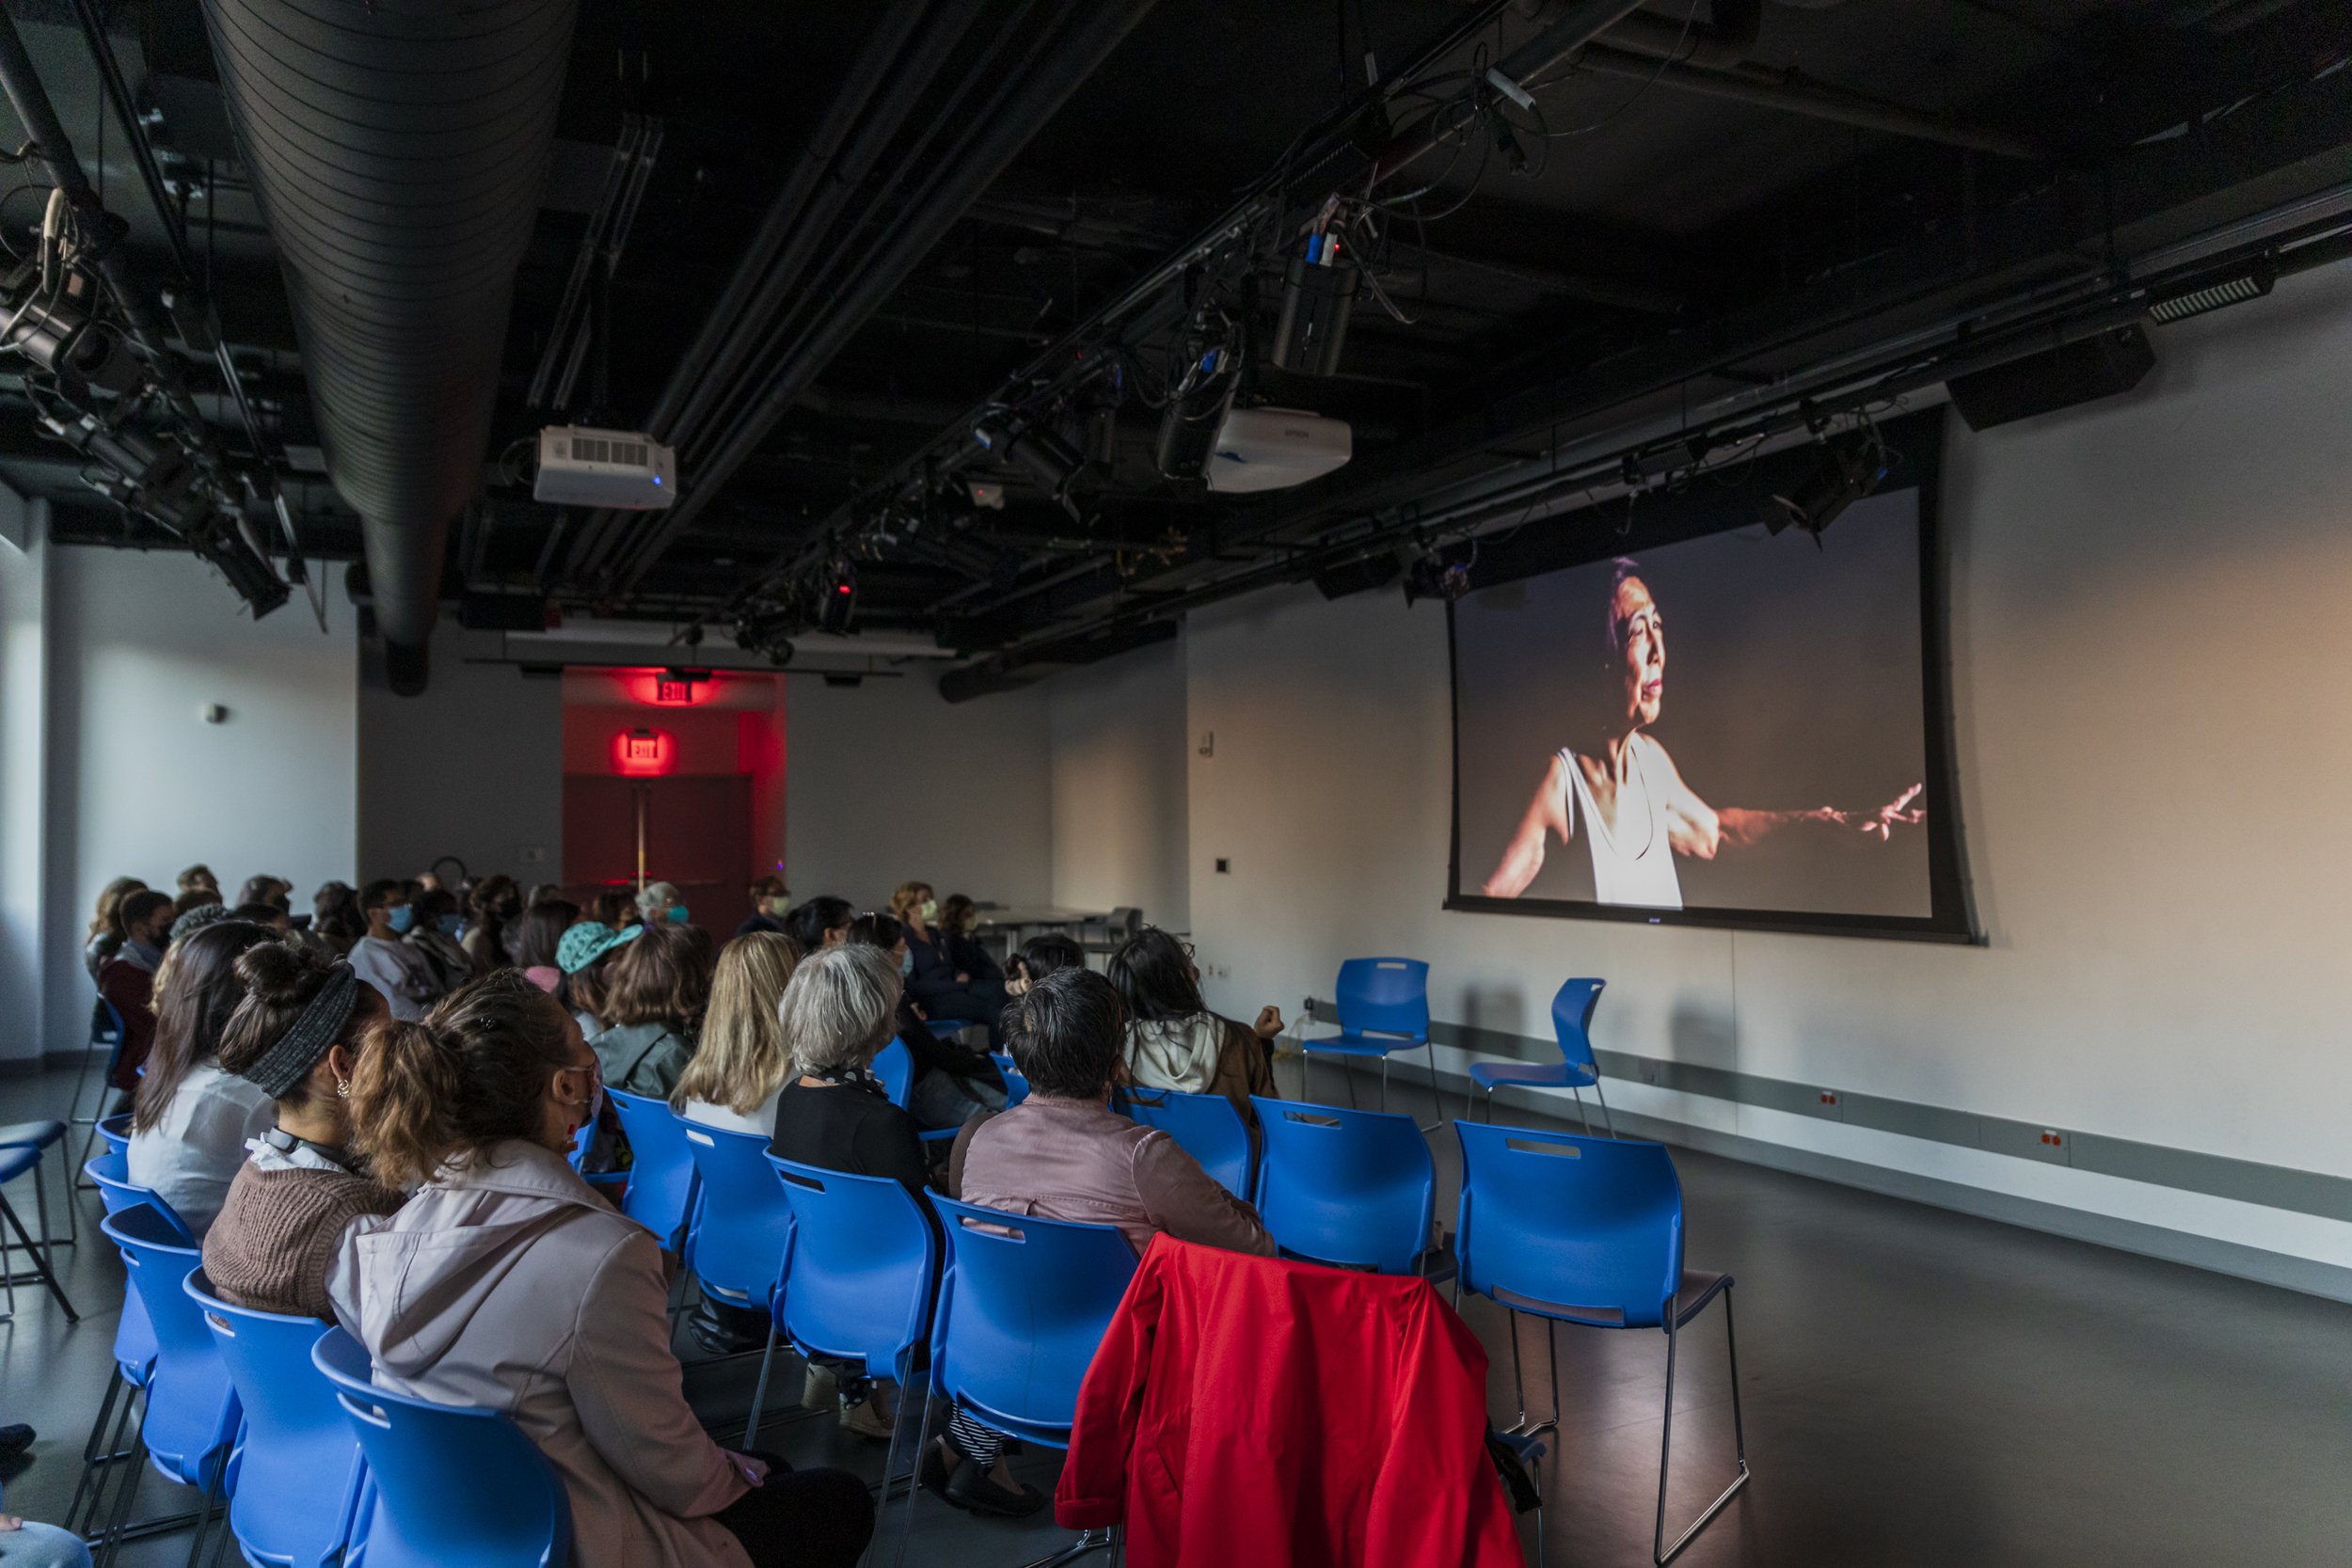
(906, 964)
(449, 924)
(677, 914)
(402, 918)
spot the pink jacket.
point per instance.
(1078, 1160)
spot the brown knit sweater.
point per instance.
(275, 1235)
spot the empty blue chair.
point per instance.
(455, 1485)
(188, 1430)
(893, 1064)
(744, 1226)
(1016, 1081)
(1022, 1308)
(1357, 1189)
(1589, 1230)
(1384, 1008)
(299, 1473)
(44, 1135)
(1205, 1125)
(1577, 1070)
(858, 1288)
(16, 1161)
(661, 1167)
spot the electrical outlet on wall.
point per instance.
(1224, 866)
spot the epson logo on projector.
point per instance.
(624, 469)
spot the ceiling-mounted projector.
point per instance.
(626, 471)
(1273, 448)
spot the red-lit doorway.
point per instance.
(698, 835)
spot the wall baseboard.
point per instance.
(2264, 1267)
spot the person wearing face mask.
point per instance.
(947, 978)
(952, 1082)
(431, 933)
(397, 971)
(822, 922)
(494, 902)
(771, 902)
(127, 980)
(507, 1281)
(662, 902)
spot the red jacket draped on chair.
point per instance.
(1253, 1411)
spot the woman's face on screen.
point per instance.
(1641, 650)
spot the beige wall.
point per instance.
(1119, 808)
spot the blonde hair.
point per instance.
(908, 895)
(741, 1058)
(474, 1073)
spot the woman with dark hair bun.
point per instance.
(1173, 1040)
(192, 1117)
(298, 1037)
(507, 1281)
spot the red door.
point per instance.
(698, 835)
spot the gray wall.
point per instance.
(886, 783)
(1121, 816)
(474, 767)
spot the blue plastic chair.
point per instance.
(300, 1473)
(44, 1135)
(858, 1288)
(1016, 1081)
(662, 1174)
(1589, 1231)
(1384, 1008)
(584, 1140)
(105, 1035)
(188, 1430)
(893, 1064)
(455, 1485)
(1206, 1126)
(135, 1346)
(1022, 1308)
(743, 1228)
(1356, 1189)
(15, 1161)
(1572, 1008)
(116, 1129)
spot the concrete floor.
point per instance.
(1919, 1387)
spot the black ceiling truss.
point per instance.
(1594, 233)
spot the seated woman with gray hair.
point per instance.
(839, 1009)
(661, 901)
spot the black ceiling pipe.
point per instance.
(398, 152)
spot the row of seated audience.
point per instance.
(348, 1152)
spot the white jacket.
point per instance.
(507, 1282)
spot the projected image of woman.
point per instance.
(1622, 792)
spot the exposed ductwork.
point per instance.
(398, 149)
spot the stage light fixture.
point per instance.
(1843, 477)
(837, 598)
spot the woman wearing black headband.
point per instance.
(297, 1037)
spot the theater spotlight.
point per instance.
(1843, 477)
(1038, 451)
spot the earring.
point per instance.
(343, 1089)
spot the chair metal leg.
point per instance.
(93, 1464)
(1662, 1554)
(890, 1471)
(1089, 1541)
(1583, 1114)
(1518, 1379)
(922, 1442)
(40, 1266)
(759, 1390)
(1436, 1105)
(1607, 1120)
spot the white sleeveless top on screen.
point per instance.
(1635, 864)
